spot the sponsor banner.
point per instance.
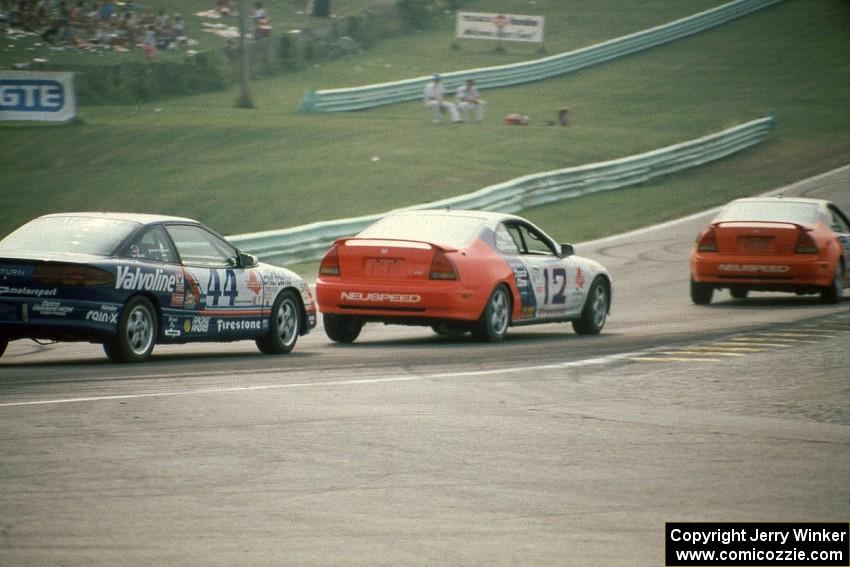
(505, 27)
(26, 95)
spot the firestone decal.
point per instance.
(139, 280)
(240, 325)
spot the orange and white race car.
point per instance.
(458, 271)
(773, 244)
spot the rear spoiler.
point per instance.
(403, 243)
(762, 223)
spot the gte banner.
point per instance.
(26, 95)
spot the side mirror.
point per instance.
(247, 260)
(567, 250)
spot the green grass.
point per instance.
(246, 170)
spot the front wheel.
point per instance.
(284, 325)
(493, 324)
(595, 310)
(701, 293)
(833, 293)
(342, 328)
(137, 330)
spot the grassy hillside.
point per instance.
(246, 170)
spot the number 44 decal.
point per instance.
(214, 291)
(557, 280)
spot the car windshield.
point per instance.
(83, 235)
(769, 211)
(449, 230)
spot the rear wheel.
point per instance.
(342, 328)
(739, 292)
(833, 293)
(284, 325)
(701, 293)
(136, 336)
(595, 310)
(493, 324)
(4, 342)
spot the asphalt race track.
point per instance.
(406, 448)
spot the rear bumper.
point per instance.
(434, 301)
(64, 319)
(762, 273)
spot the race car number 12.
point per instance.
(214, 290)
(558, 281)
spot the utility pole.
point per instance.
(245, 100)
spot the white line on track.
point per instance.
(350, 382)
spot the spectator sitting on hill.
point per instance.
(434, 99)
(468, 100)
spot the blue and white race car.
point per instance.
(130, 281)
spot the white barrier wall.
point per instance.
(309, 242)
(370, 96)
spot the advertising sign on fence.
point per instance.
(26, 95)
(507, 27)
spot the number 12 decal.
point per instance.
(214, 290)
(558, 280)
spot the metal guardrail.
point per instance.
(309, 242)
(369, 96)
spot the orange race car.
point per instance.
(458, 271)
(773, 244)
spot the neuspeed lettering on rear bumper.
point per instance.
(380, 297)
(766, 269)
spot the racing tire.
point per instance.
(449, 330)
(739, 293)
(595, 310)
(137, 332)
(342, 328)
(492, 326)
(4, 342)
(284, 325)
(701, 293)
(833, 294)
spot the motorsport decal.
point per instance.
(754, 268)
(6, 290)
(140, 280)
(381, 297)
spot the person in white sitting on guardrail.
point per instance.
(468, 100)
(435, 100)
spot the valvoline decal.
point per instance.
(527, 298)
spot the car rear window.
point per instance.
(448, 230)
(769, 211)
(83, 235)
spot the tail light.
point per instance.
(69, 275)
(707, 241)
(442, 268)
(330, 263)
(805, 243)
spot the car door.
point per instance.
(226, 299)
(556, 282)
